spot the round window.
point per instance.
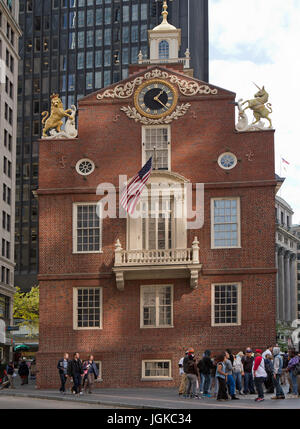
(227, 161)
(85, 167)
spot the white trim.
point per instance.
(82, 160)
(229, 168)
(74, 226)
(212, 217)
(99, 362)
(158, 378)
(75, 308)
(239, 304)
(144, 160)
(156, 287)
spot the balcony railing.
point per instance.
(141, 262)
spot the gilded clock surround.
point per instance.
(156, 82)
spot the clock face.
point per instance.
(155, 99)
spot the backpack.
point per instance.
(268, 366)
(296, 370)
(191, 367)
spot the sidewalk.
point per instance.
(146, 398)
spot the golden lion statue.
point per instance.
(56, 116)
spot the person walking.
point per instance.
(183, 377)
(75, 371)
(277, 371)
(205, 366)
(248, 362)
(23, 371)
(293, 366)
(259, 374)
(10, 371)
(62, 367)
(91, 373)
(192, 373)
(238, 371)
(222, 377)
(229, 371)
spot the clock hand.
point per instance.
(161, 103)
(158, 95)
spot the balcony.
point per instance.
(157, 264)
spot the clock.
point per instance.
(155, 98)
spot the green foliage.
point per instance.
(26, 307)
(286, 332)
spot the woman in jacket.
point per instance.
(238, 371)
(91, 373)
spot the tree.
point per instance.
(26, 307)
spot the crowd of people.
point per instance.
(232, 375)
(23, 368)
(81, 374)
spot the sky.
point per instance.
(258, 41)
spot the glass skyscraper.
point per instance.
(74, 47)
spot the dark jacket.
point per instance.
(60, 366)
(85, 367)
(205, 365)
(10, 369)
(23, 369)
(247, 363)
(74, 367)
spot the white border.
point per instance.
(158, 378)
(75, 313)
(156, 307)
(222, 166)
(75, 251)
(212, 217)
(82, 160)
(239, 300)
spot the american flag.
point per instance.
(131, 193)
(285, 161)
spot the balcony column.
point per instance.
(195, 273)
(196, 249)
(281, 284)
(118, 262)
(287, 275)
(294, 299)
(277, 283)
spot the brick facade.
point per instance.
(113, 142)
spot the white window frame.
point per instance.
(212, 223)
(75, 309)
(1, 353)
(142, 326)
(239, 303)
(144, 160)
(158, 378)
(75, 205)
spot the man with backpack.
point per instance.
(248, 362)
(294, 370)
(270, 371)
(259, 374)
(278, 366)
(192, 373)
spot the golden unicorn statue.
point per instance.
(260, 106)
(54, 121)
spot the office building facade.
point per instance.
(9, 35)
(74, 47)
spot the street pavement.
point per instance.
(138, 398)
(13, 403)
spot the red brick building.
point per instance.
(136, 305)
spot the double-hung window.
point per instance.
(156, 369)
(156, 143)
(87, 308)
(87, 228)
(225, 223)
(157, 306)
(226, 304)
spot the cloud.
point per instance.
(257, 41)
